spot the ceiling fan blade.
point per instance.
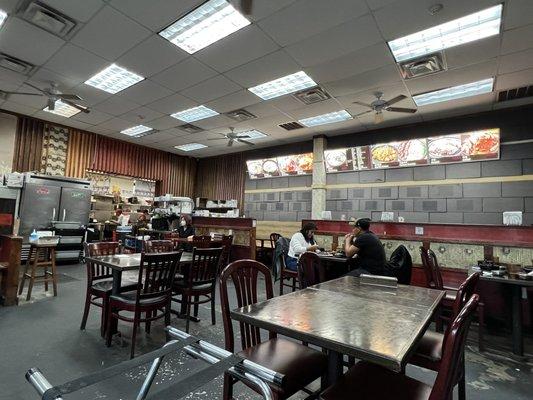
(378, 118)
(35, 87)
(246, 141)
(51, 104)
(396, 99)
(221, 138)
(362, 104)
(363, 113)
(21, 93)
(246, 7)
(243, 137)
(230, 143)
(67, 96)
(402, 110)
(81, 108)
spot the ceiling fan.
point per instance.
(379, 105)
(234, 137)
(53, 94)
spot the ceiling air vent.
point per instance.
(516, 93)
(240, 115)
(291, 126)
(14, 64)
(47, 18)
(426, 65)
(311, 96)
(190, 128)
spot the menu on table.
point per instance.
(339, 160)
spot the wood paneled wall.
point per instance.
(28, 145)
(222, 177)
(80, 153)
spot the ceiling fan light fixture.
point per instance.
(114, 79)
(328, 118)
(204, 26)
(194, 114)
(454, 92)
(190, 146)
(62, 109)
(284, 85)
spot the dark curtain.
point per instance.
(28, 145)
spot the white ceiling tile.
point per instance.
(263, 109)
(390, 119)
(110, 34)
(359, 61)
(173, 133)
(185, 74)
(264, 69)
(78, 10)
(469, 105)
(517, 39)
(515, 79)
(234, 101)
(78, 124)
(214, 122)
(243, 46)
(145, 92)
(305, 18)
(116, 105)
(95, 117)
(18, 108)
(473, 53)
(518, 13)
(404, 17)
(76, 63)
(152, 56)
(286, 103)
(11, 80)
(516, 61)
(334, 42)
(50, 117)
(42, 78)
(376, 4)
(8, 5)
(385, 76)
(27, 42)
(313, 110)
(114, 125)
(211, 89)
(155, 14)
(262, 9)
(141, 116)
(38, 102)
(91, 95)
(172, 104)
(164, 122)
(459, 76)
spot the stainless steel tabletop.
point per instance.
(373, 323)
(128, 262)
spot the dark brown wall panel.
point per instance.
(28, 145)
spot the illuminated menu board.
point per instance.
(461, 147)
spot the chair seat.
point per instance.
(449, 299)
(429, 351)
(300, 364)
(128, 299)
(289, 273)
(106, 286)
(181, 285)
(369, 381)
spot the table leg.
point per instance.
(117, 283)
(335, 366)
(518, 344)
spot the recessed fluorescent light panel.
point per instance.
(194, 114)
(190, 146)
(285, 85)
(113, 79)
(205, 25)
(253, 134)
(454, 92)
(328, 118)
(137, 131)
(463, 30)
(62, 109)
(3, 16)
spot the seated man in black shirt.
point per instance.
(365, 248)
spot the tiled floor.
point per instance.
(45, 333)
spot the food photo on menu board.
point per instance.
(339, 160)
(384, 155)
(299, 164)
(266, 168)
(481, 145)
(443, 149)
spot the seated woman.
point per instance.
(365, 248)
(186, 230)
(300, 243)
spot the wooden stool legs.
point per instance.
(42, 257)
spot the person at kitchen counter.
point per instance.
(301, 242)
(365, 248)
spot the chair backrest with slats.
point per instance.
(97, 272)
(201, 242)
(273, 239)
(310, 270)
(204, 267)
(156, 275)
(453, 352)
(158, 246)
(244, 274)
(431, 269)
(227, 241)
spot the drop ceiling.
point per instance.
(341, 45)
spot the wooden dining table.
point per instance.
(378, 324)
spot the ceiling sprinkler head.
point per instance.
(435, 8)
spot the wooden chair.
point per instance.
(201, 241)
(158, 246)
(431, 346)
(199, 282)
(310, 270)
(99, 281)
(370, 381)
(286, 274)
(300, 364)
(40, 256)
(434, 281)
(157, 271)
(227, 242)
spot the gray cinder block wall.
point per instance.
(443, 202)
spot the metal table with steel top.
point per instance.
(373, 323)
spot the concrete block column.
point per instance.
(318, 204)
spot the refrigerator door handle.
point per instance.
(64, 213)
(54, 214)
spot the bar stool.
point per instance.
(40, 256)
